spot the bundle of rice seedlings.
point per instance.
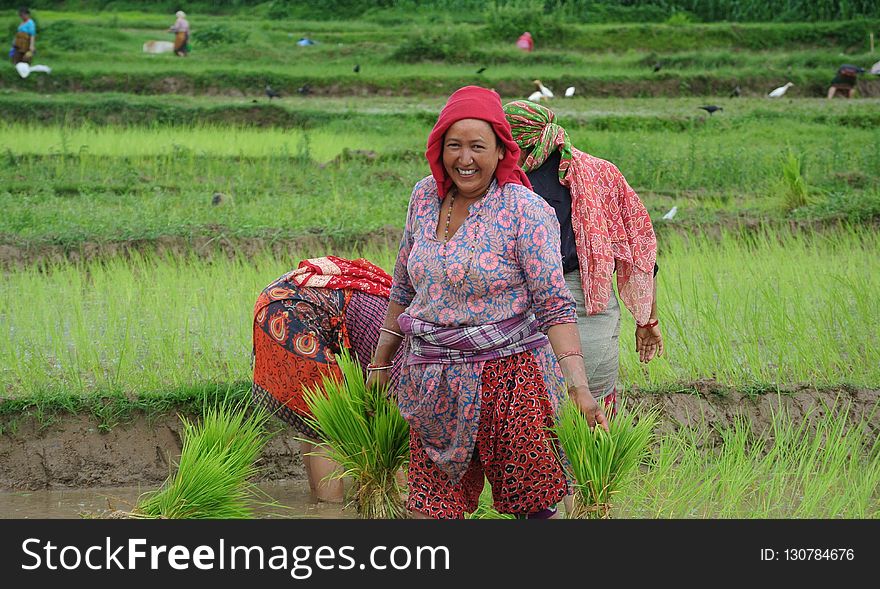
(216, 464)
(363, 431)
(485, 508)
(602, 463)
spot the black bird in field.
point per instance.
(657, 67)
(305, 89)
(357, 68)
(481, 70)
(217, 199)
(735, 92)
(271, 93)
(711, 108)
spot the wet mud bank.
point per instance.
(72, 452)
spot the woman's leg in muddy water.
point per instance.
(319, 469)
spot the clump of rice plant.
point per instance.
(602, 462)
(795, 185)
(364, 432)
(485, 509)
(216, 464)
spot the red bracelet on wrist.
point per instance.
(649, 324)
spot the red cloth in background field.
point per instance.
(525, 42)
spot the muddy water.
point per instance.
(291, 500)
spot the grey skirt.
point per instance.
(600, 335)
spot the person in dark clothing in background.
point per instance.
(845, 80)
(605, 230)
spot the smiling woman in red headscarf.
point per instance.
(478, 287)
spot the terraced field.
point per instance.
(147, 199)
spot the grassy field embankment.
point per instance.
(238, 55)
(343, 170)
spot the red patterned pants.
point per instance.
(514, 450)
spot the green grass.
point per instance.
(764, 311)
(101, 52)
(400, 113)
(134, 325)
(773, 309)
(812, 466)
(602, 463)
(110, 408)
(351, 172)
(819, 465)
(363, 431)
(188, 142)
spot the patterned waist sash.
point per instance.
(435, 344)
(439, 392)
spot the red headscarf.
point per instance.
(335, 272)
(474, 102)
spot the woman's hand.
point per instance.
(649, 343)
(580, 396)
(377, 378)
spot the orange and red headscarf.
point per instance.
(474, 102)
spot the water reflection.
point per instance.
(291, 500)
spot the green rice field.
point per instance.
(352, 175)
(749, 311)
(146, 201)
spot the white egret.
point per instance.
(779, 92)
(545, 91)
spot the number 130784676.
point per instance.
(799, 554)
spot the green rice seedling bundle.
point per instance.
(601, 462)
(216, 464)
(485, 509)
(364, 432)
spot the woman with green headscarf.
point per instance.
(605, 231)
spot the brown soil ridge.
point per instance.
(14, 255)
(73, 453)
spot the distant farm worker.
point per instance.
(301, 322)
(24, 45)
(492, 345)
(605, 231)
(180, 28)
(525, 42)
(845, 80)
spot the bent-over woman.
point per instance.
(301, 321)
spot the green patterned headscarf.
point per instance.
(535, 130)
